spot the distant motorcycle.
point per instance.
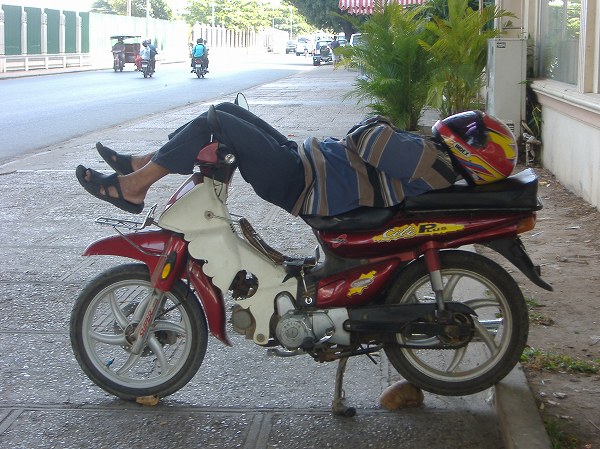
(118, 61)
(199, 68)
(147, 68)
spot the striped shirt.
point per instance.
(375, 165)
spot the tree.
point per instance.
(237, 14)
(158, 8)
(439, 8)
(326, 15)
(102, 7)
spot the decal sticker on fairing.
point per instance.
(417, 230)
(339, 240)
(359, 285)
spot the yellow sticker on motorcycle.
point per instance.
(359, 285)
(412, 230)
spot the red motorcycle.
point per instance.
(451, 321)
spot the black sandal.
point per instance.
(121, 163)
(99, 181)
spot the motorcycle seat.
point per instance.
(516, 193)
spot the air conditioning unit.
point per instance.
(506, 76)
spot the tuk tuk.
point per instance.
(124, 48)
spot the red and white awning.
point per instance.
(366, 6)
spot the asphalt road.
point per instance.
(39, 111)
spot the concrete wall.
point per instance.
(64, 39)
(170, 38)
(570, 112)
(571, 138)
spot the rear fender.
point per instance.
(515, 253)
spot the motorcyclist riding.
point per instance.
(149, 52)
(200, 51)
(119, 50)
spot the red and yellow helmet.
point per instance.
(483, 147)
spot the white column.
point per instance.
(2, 46)
(77, 33)
(61, 34)
(44, 48)
(23, 32)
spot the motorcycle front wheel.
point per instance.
(501, 326)
(110, 307)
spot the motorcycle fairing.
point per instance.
(405, 234)
(354, 287)
(204, 221)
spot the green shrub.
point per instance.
(459, 50)
(396, 68)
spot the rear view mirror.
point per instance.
(240, 100)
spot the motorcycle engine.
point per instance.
(308, 329)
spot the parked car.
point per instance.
(322, 52)
(302, 46)
(290, 47)
(355, 39)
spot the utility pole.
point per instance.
(291, 23)
(147, 17)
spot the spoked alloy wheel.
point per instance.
(109, 309)
(501, 326)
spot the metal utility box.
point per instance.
(506, 76)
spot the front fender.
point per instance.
(145, 246)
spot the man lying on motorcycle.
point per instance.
(375, 164)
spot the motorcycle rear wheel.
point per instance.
(501, 326)
(113, 302)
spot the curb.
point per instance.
(521, 425)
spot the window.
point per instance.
(560, 29)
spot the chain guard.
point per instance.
(457, 332)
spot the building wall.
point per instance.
(570, 111)
(572, 148)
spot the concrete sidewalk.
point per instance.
(239, 398)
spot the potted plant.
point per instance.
(459, 53)
(395, 66)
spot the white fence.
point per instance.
(40, 62)
(173, 39)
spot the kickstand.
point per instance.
(338, 405)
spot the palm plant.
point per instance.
(460, 51)
(396, 68)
